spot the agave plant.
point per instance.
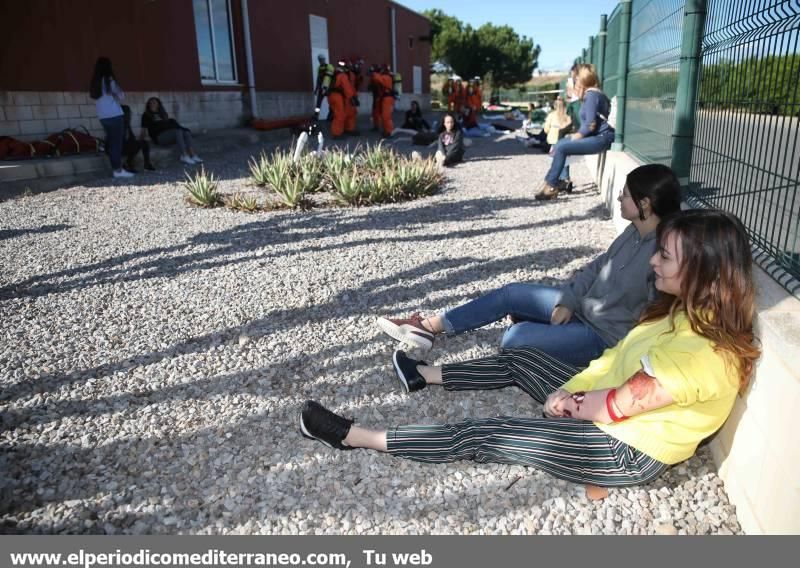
(202, 189)
(291, 192)
(377, 158)
(349, 186)
(309, 170)
(239, 202)
(272, 170)
(336, 162)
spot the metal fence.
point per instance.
(721, 106)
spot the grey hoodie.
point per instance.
(608, 294)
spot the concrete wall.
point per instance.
(31, 115)
(756, 452)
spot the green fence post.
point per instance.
(622, 71)
(694, 21)
(601, 47)
(583, 55)
(590, 51)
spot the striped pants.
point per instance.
(571, 449)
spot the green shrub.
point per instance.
(271, 170)
(292, 193)
(310, 171)
(202, 189)
(349, 186)
(239, 202)
(370, 175)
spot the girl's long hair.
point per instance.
(717, 294)
(161, 111)
(102, 76)
(456, 125)
(561, 111)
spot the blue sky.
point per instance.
(561, 27)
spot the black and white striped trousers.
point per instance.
(571, 449)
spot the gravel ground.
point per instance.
(154, 357)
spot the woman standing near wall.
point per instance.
(108, 96)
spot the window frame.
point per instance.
(217, 81)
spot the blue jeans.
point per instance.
(582, 147)
(114, 128)
(573, 342)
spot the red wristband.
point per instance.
(610, 407)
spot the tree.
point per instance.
(490, 51)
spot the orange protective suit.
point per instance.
(474, 104)
(460, 98)
(375, 88)
(340, 100)
(386, 102)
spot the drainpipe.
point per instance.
(694, 21)
(622, 73)
(394, 39)
(248, 52)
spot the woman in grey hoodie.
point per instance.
(578, 321)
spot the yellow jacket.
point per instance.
(703, 385)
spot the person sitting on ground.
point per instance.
(644, 405)
(166, 131)
(593, 312)
(414, 119)
(594, 136)
(451, 142)
(556, 125)
(131, 146)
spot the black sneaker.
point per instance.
(406, 369)
(319, 423)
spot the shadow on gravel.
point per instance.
(373, 296)
(13, 233)
(284, 475)
(260, 237)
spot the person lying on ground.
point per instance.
(644, 405)
(166, 131)
(579, 321)
(451, 142)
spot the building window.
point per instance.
(212, 21)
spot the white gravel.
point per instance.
(154, 356)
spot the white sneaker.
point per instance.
(187, 160)
(123, 174)
(197, 159)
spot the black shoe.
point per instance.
(319, 423)
(406, 369)
(353, 133)
(149, 167)
(566, 185)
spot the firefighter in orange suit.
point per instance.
(459, 98)
(387, 94)
(473, 103)
(449, 92)
(343, 101)
(375, 88)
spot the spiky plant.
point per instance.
(202, 189)
(239, 202)
(310, 170)
(271, 170)
(349, 186)
(291, 192)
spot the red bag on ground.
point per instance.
(75, 141)
(45, 147)
(11, 148)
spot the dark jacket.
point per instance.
(453, 152)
